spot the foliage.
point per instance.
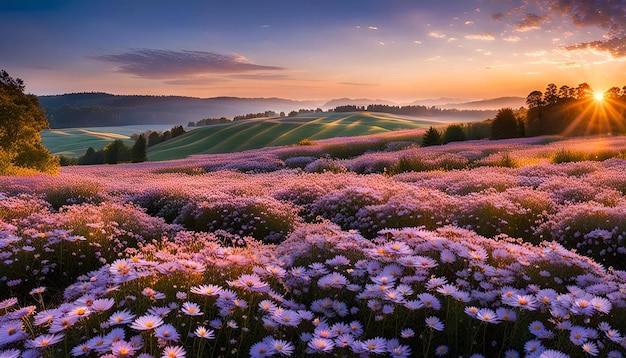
(454, 133)
(21, 123)
(431, 137)
(138, 151)
(505, 125)
(573, 111)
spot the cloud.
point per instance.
(530, 22)
(437, 35)
(480, 37)
(168, 64)
(511, 38)
(609, 16)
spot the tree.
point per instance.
(177, 131)
(534, 99)
(431, 137)
(21, 124)
(138, 151)
(116, 152)
(505, 125)
(454, 133)
(551, 94)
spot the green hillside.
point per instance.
(73, 142)
(258, 133)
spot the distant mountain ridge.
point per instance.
(488, 104)
(103, 109)
(96, 109)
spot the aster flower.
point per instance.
(377, 345)
(99, 344)
(260, 350)
(7, 303)
(37, 291)
(147, 322)
(441, 350)
(551, 353)
(121, 317)
(286, 317)
(44, 341)
(102, 304)
(80, 312)
(332, 280)
(191, 309)
(280, 346)
(590, 348)
(10, 353)
(167, 332)
(429, 301)
(123, 349)
(321, 345)
(202, 332)
(533, 346)
(344, 340)
(487, 315)
(578, 335)
(397, 350)
(250, 282)
(174, 352)
(206, 290)
(435, 323)
(601, 304)
(407, 333)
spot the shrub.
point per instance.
(324, 165)
(342, 206)
(59, 195)
(591, 229)
(263, 218)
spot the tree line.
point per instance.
(576, 111)
(118, 152)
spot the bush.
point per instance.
(262, 218)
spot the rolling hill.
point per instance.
(259, 133)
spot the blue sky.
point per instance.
(300, 49)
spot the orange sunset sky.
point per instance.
(384, 49)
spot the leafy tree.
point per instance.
(154, 138)
(534, 99)
(505, 125)
(21, 123)
(454, 133)
(431, 137)
(177, 131)
(116, 152)
(138, 151)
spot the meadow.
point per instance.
(260, 133)
(73, 142)
(362, 246)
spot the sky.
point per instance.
(398, 50)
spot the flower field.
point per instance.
(347, 247)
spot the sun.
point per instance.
(598, 96)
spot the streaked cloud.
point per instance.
(437, 35)
(511, 38)
(530, 22)
(168, 64)
(372, 27)
(480, 37)
(609, 16)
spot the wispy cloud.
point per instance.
(511, 38)
(169, 64)
(607, 15)
(437, 35)
(480, 37)
(530, 22)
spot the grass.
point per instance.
(259, 133)
(73, 142)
